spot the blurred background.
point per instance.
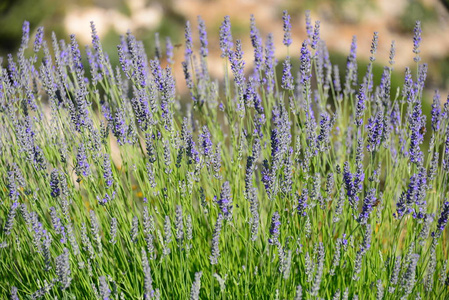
(340, 20)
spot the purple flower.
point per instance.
(442, 221)
(287, 78)
(351, 67)
(38, 39)
(120, 127)
(196, 286)
(225, 202)
(422, 75)
(168, 93)
(309, 27)
(416, 122)
(375, 129)
(142, 110)
(10, 218)
(316, 35)
(305, 66)
(76, 54)
(105, 292)
(392, 52)
(12, 186)
(407, 90)
(226, 43)
(360, 108)
(206, 142)
(82, 167)
(348, 182)
(100, 58)
(256, 42)
(123, 60)
(337, 84)
(63, 269)
(274, 229)
(287, 29)
(54, 183)
(385, 86)
(323, 138)
(25, 35)
(417, 40)
(157, 73)
(374, 46)
(157, 46)
(203, 37)
(188, 40)
(415, 195)
(107, 171)
(151, 152)
(169, 50)
(436, 111)
(237, 65)
(368, 206)
(14, 295)
(269, 63)
(302, 202)
(215, 250)
(187, 76)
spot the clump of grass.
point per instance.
(306, 187)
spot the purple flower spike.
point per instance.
(25, 34)
(274, 228)
(169, 50)
(302, 202)
(287, 78)
(54, 183)
(225, 201)
(188, 39)
(442, 221)
(203, 37)
(38, 40)
(256, 41)
(417, 40)
(287, 29)
(226, 43)
(316, 35)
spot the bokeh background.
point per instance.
(340, 20)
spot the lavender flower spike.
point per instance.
(203, 37)
(287, 78)
(225, 201)
(287, 29)
(226, 43)
(417, 40)
(39, 39)
(442, 221)
(215, 250)
(10, 219)
(188, 40)
(274, 228)
(196, 286)
(25, 34)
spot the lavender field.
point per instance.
(321, 183)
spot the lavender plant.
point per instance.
(295, 187)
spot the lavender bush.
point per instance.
(302, 187)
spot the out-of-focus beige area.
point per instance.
(340, 20)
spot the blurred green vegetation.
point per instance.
(416, 10)
(48, 13)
